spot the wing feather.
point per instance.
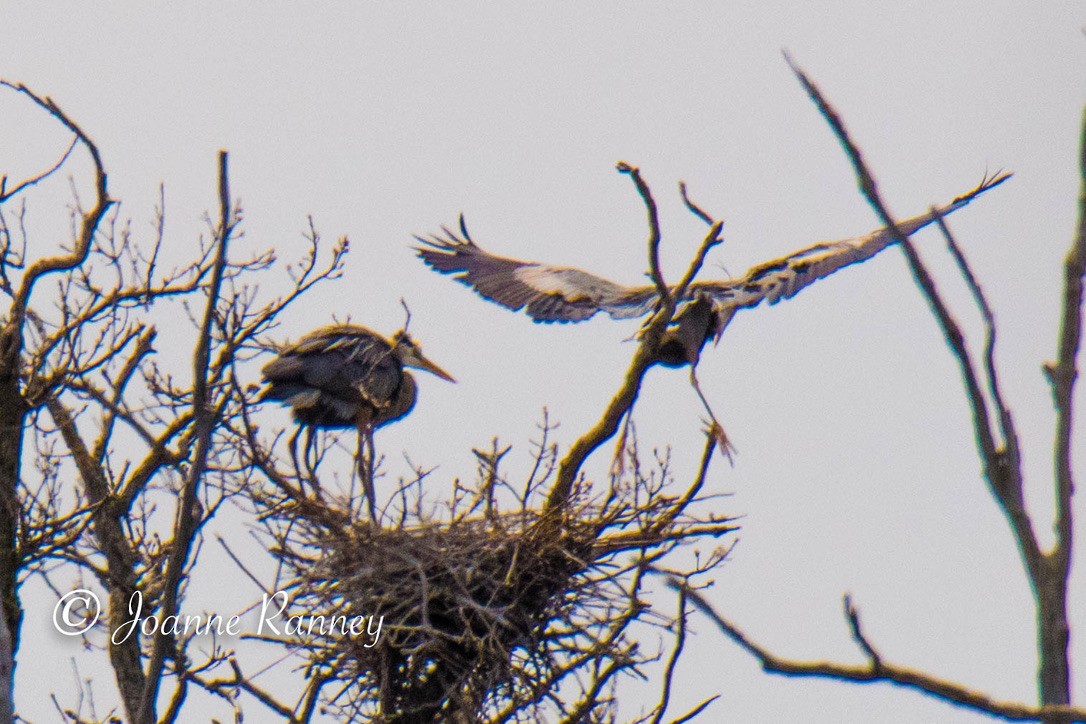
(785, 277)
(331, 375)
(564, 294)
(546, 293)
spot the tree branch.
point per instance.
(878, 670)
(673, 659)
(1048, 573)
(6, 193)
(654, 229)
(205, 416)
(90, 221)
(121, 558)
(1063, 374)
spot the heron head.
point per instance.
(410, 355)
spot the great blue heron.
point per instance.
(565, 294)
(347, 376)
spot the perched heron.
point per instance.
(347, 376)
(565, 294)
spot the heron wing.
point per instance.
(546, 293)
(785, 277)
(565, 294)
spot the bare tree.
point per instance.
(85, 393)
(504, 602)
(997, 443)
(500, 601)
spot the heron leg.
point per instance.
(365, 458)
(311, 455)
(294, 452)
(371, 464)
(715, 428)
(618, 461)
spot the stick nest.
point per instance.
(465, 608)
(485, 615)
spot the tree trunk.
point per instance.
(12, 418)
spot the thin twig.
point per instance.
(711, 239)
(690, 715)
(1006, 419)
(693, 207)
(673, 659)
(6, 193)
(852, 614)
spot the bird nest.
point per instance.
(484, 615)
(464, 609)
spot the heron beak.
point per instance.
(424, 364)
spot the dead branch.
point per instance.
(654, 229)
(646, 354)
(206, 416)
(1047, 571)
(90, 221)
(877, 669)
(673, 659)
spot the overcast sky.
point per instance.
(856, 469)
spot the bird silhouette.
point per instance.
(347, 376)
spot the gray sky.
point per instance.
(856, 472)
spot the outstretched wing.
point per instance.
(546, 293)
(783, 278)
(564, 294)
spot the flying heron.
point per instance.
(347, 376)
(566, 294)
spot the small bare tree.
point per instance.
(1048, 571)
(86, 396)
